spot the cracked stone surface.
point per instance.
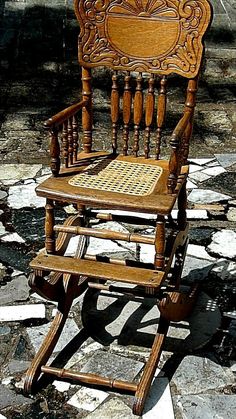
(224, 244)
(199, 375)
(205, 406)
(206, 196)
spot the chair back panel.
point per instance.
(156, 36)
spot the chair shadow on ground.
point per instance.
(116, 319)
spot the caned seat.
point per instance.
(133, 181)
(122, 182)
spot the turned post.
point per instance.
(65, 142)
(70, 141)
(127, 100)
(180, 143)
(138, 112)
(114, 110)
(87, 110)
(190, 104)
(161, 113)
(150, 104)
(160, 243)
(54, 151)
(75, 137)
(49, 227)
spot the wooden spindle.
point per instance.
(65, 142)
(70, 141)
(161, 112)
(150, 103)
(160, 243)
(87, 116)
(114, 110)
(189, 107)
(75, 137)
(138, 112)
(54, 152)
(49, 227)
(127, 100)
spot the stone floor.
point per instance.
(196, 378)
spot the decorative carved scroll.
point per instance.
(158, 36)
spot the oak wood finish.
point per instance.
(162, 37)
(98, 270)
(156, 38)
(87, 378)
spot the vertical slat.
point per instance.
(127, 100)
(160, 243)
(150, 103)
(87, 116)
(65, 142)
(161, 112)
(138, 112)
(75, 137)
(54, 152)
(49, 224)
(70, 141)
(114, 110)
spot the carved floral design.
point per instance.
(183, 57)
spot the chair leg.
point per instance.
(72, 290)
(150, 367)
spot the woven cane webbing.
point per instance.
(119, 176)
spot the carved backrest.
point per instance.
(156, 36)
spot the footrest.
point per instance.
(98, 270)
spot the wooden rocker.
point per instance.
(141, 43)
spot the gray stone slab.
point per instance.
(114, 408)
(3, 271)
(224, 269)
(2, 229)
(216, 120)
(231, 214)
(19, 171)
(223, 244)
(37, 334)
(112, 366)
(197, 374)
(16, 366)
(3, 195)
(205, 406)
(15, 290)
(196, 269)
(24, 196)
(206, 196)
(226, 160)
(9, 398)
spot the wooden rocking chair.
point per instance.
(141, 42)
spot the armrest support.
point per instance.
(178, 132)
(63, 115)
(178, 157)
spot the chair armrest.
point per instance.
(63, 115)
(178, 154)
(179, 129)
